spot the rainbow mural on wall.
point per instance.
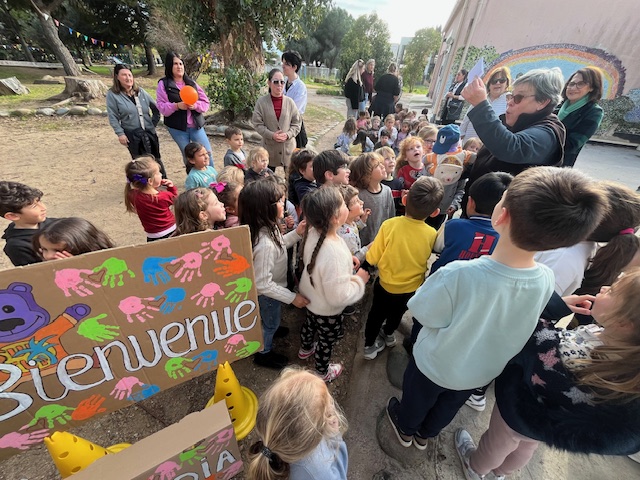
(569, 58)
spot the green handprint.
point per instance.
(176, 367)
(51, 414)
(114, 267)
(248, 349)
(242, 287)
(94, 330)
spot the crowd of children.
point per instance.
(357, 214)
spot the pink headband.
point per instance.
(627, 231)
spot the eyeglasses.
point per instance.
(429, 142)
(519, 97)
(278, 82)
(577, 85)
(498, 80)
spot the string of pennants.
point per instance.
(87, 38)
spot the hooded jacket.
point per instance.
(19, 248)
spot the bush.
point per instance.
(236, 90)
(329, 91)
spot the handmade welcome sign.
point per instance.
(92, 334)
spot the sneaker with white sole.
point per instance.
(372, 351)
(493, 476)
(389, 340)
(420, 443)
(392, 405)
(465, 447)
(304, 354)
(334, 371)
(477, 402)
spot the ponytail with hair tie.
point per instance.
(627, 231)
(275, 462)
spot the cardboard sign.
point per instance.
(92, 334)
(201, 446)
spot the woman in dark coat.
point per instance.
(387, 92)
(354, 89)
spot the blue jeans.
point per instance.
(270, 312)
(191, 135)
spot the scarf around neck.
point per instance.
(566, 109)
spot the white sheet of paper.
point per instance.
(477, 70)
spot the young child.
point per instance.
(389, 125)
(393, 183)
(21, 205)
(141, 196)
(197, 210)
(331, 167)
(367, 173)
(575, 390)
(347, 136)
(327, 278)
(258, 163)
(261, 207)
(300, 172)
(300, 427)
(201, 173)
(544, 207)
(360, 144)
(349, 231)
(474, 144)
(401, 251)
(68, 237)
(384, 139)
(409, 166)
(428, 134)
(363, 116)
(232, 173)
(374, 128)
(227, 193)
(235, 154)
(402, 134)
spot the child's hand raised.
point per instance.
(166, 183)
(580, 304)
(301, 227)
(365, 216)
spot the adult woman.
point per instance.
(295, 89)
(387, 92)
(277, 119)
(497, 87)
(367, 79)
(528, 134)
(133, 115)
(579, 112)
(354, 89)
(184, 121)
(454, 101)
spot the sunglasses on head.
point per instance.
(519, 97)
(278, 82)
(498, 80)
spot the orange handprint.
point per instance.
(236, 265)
(88, 407)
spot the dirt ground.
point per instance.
(79, 165)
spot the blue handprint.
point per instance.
(172, 298)
(153, 269)
(146, 391)
(208, 357)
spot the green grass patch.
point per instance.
(38, 93)
(418, 89)
(107, 70)
(329, 91)
(315, 112)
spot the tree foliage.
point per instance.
(424, 44)
(367, 38)
(488, 52)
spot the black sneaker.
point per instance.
(271, 360)
(349, 310)
(405, 440)
(281, 332)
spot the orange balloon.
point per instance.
(189, 95)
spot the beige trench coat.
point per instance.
(266, 124)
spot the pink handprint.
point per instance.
(22, 441)
(189, 264)
(216, 245)
(232, 471)
(233, 342)
(70, 280)
(205, 296)
(133, 307)
(165, 471)
(124, 387)
(220, 441)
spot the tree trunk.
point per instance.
(241, 45)
(151, 60)
(60, 50)
(82, 88)
(15, 26)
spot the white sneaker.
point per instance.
(334, 371)
(389, 340)
(493, 476)
(465, 447)
(372, 351)
(635, 457)
(477, 402)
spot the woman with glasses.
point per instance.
(354, 89)
(580, 112)
(497, 87)
(278, 120)
(454, 101)
(528, 134)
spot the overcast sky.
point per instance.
(403, 16)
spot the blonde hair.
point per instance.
(354, 72)
(231, 173)
(405, 145)
(427, 131)
(295, 414)
(187, 208)
(259, 152)
(383, 151)
(473, 141)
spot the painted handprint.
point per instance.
(175, 367)
(233, 342)
(153, 269)
(235, 266)
(188, 266)
(208, 359)
(217, 245)
(92, 329)
(192, 455)
(23, 441)
(171, 299)
(207, 293)
(114, 271)
(134, 308)
(89, 407)
(73, 280)
(220, 441)
(124, 387)
(248, 349)
(241, 291)
(145, 392)
(232, 471)
(165, 471)
(51, 414)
